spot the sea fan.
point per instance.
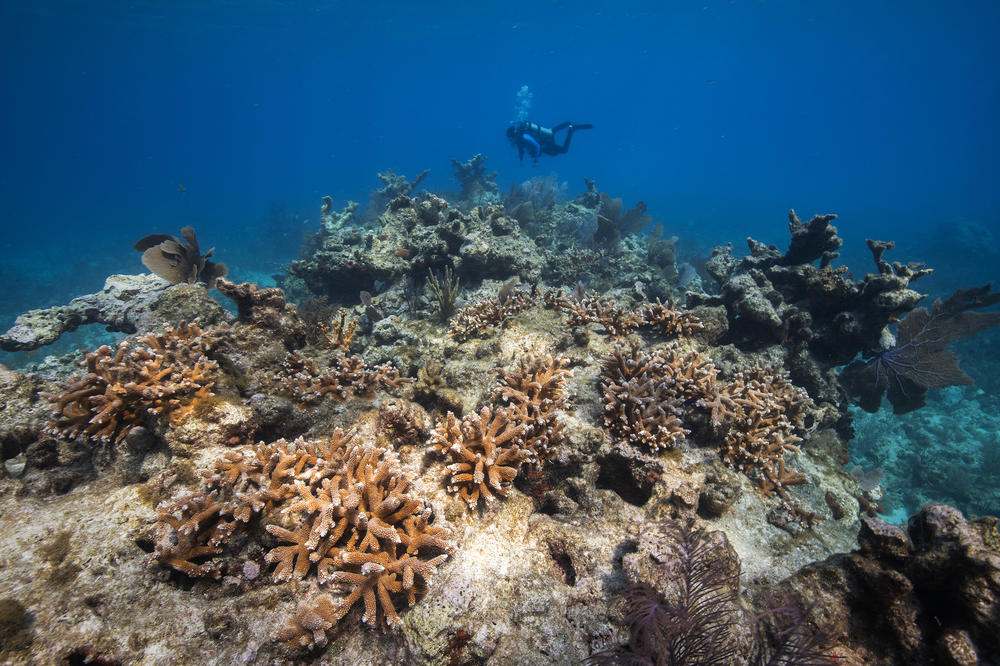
(694, 627)
(791, 641)
(920, 359)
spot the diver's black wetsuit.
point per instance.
(535, 139)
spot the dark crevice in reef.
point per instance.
(145, 545)
(615, 475)
(557, 551)
(83, 655)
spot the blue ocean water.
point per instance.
(122, 119)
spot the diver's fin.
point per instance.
(583, 126)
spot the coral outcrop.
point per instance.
(127, 304)
(775, 297)
(415, 235)
(927, 592)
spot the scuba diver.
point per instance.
(536, 139)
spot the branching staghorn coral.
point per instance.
(345, 375)
(582, 308)
(592, 308)
(665, 320)
(535, 393)
(340, 509)
(656, 398)
(768, 410)
(487, 449)
(647, 396)
(163, 375)
(341, 333)
(473, 320)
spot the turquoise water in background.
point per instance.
(129, 118)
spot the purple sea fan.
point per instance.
(921, 360)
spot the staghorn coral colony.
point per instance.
(482, 429)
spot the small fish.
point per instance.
(180, 188)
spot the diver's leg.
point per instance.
(569, 136)
(569, 133)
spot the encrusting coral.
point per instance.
(166, 374)
(340, 507)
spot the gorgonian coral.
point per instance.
(920, 359)
(164, 374)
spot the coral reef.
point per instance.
(486, 450)
(332, 222)
(680, 470)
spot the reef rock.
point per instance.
(926, 593)
(417, 235)
(127, 304)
